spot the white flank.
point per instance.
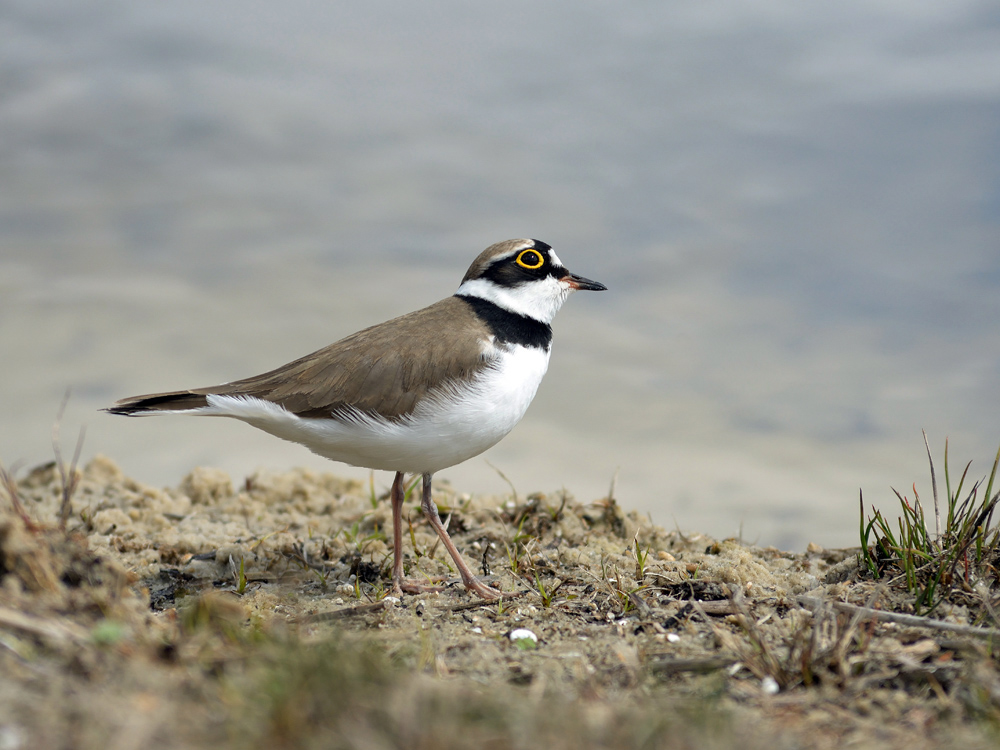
(454, 424)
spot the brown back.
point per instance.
(384, 370)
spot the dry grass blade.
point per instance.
(513, 489)
(762, 661)
(759, 657)
(822, 647)
(937, 509)
(10, 488)
(846, 636)
(69, 477)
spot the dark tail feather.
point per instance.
(158, 402)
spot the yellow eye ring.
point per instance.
(530, 259)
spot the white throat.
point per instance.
(539, 299)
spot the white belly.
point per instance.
(457, 423)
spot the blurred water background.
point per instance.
(795, 207)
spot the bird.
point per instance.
(416, 394)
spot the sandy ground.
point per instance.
(212, 615)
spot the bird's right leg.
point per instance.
(400, 584)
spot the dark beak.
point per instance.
(578, 282)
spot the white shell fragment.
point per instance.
(522, 634)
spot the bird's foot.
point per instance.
(476, 586)
(410, 586)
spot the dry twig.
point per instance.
(901, 619)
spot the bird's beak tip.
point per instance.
(580, 283)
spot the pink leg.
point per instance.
(397, 530)
(430, 511)
(400, 584)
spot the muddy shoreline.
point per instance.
(214, 614)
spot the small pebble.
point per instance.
(673, 637)
(516, 635)
(666, 556)
(770, 686)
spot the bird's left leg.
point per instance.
(471, 582)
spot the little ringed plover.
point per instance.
(416, 394)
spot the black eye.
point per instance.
(530, 259)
